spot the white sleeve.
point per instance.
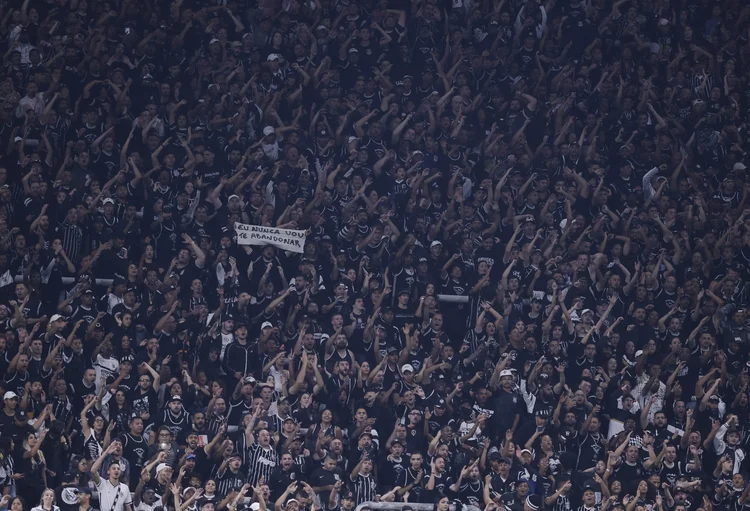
(127, 494)
(648, 190)
(719, 445)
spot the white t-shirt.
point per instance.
(108, 492)
(105, 367)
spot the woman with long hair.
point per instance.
(93, 436)
(442, 504)
(46, 501)
(8, 503)
(33, 467)
(325, 427)
(119, 410)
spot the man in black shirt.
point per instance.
(12, 423)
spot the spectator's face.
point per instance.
(286, 462)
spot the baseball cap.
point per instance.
(56, 317)
(83, 489)
(175, 398)
(739, 166)
(506, 372)
(162, 466)
(266, 324)
(268, 130)
(273, 57)
(436, 243)
(10, 395)
(407, 367)
(348, 495)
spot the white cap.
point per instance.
(663, 21)
(584, 311)
(214, 40)
(268, 130)
(739, 166)
(435, 243)
(233, 196)
(162, 466)
(56, 317)
(9, 395)
(254, 506)
(506, 372)
(407, 367)
(266, 324)
(108, 200)
(272, 57)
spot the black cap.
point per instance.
(348, 495)
(83, 489)
(440, 403)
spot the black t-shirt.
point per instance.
(9, 424)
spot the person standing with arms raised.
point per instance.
(113, 495)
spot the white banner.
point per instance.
(287, 239)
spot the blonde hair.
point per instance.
(36, 459)
(50, 490)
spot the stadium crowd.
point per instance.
(523, 283)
